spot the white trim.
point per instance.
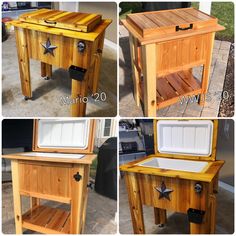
(205, 7)
(227, 187)
(110, 44)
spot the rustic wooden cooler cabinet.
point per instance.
(165, 46)
(182, 175)
(69, 40)
(56, 170)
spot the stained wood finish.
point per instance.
(178, 48)
(77, 21)
(23, 60)
(88, 150)
(135, 203)
(64, 30)
(212, 157)
(142, 183)
(47, 220)
(46, 70)
(160, 216)
(16, 196)
(160, 26)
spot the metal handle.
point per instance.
(187, 28)
(50, 22)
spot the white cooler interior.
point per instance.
(188, 137)
(63, 133)
(53, 155)
(174, 164)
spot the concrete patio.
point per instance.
(100, 218)
(47, 95)
(128, 107)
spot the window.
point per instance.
(107, 128)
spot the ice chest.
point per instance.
(165, 46)
(58, 170)
(182, 175)
(62, 39)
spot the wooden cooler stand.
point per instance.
(192, 193)
(68, 40)
(63, 180)
(165, 46)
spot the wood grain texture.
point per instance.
(149, 79)
(77, 21)
(135, 204)
(160, 26)
(90, 36)
(160, 216)
(23, 61)
(47, 220)
(16, 196)
(46, 70)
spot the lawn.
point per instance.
(224, 11)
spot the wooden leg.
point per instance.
(213, 214)
(23, 60)
(207, 69)
(79, 95)
(95, 75)
(85, 197)
(16, 196)
(135, 203)
(134, 64)
(149, 79)
(160, 216)
(77, 197)
(34, 202)
(46, 70)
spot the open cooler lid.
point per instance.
(170, 23)
(64, 135)
(186, 139)
(83, 22)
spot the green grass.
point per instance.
(93, 168)
(224, 11)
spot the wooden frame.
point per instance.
(31, 31)
(62, 180)
(162, 69)
(88, 150)
(142, 182)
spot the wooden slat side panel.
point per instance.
(183, 192)
(174, 57)
(48, 180)
(66, 48)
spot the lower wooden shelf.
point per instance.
(44, 219)
(172, 87)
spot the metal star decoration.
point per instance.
(164, 192)
(48, 48)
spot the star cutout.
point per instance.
(48, 48)
(164, 192)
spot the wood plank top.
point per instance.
(170, 24)
(90, 36)
(207, 175)
(87, 159)
(78, 21)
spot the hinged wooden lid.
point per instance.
(78, 21)
(186, 139)
(64, 135)
(168, 24)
